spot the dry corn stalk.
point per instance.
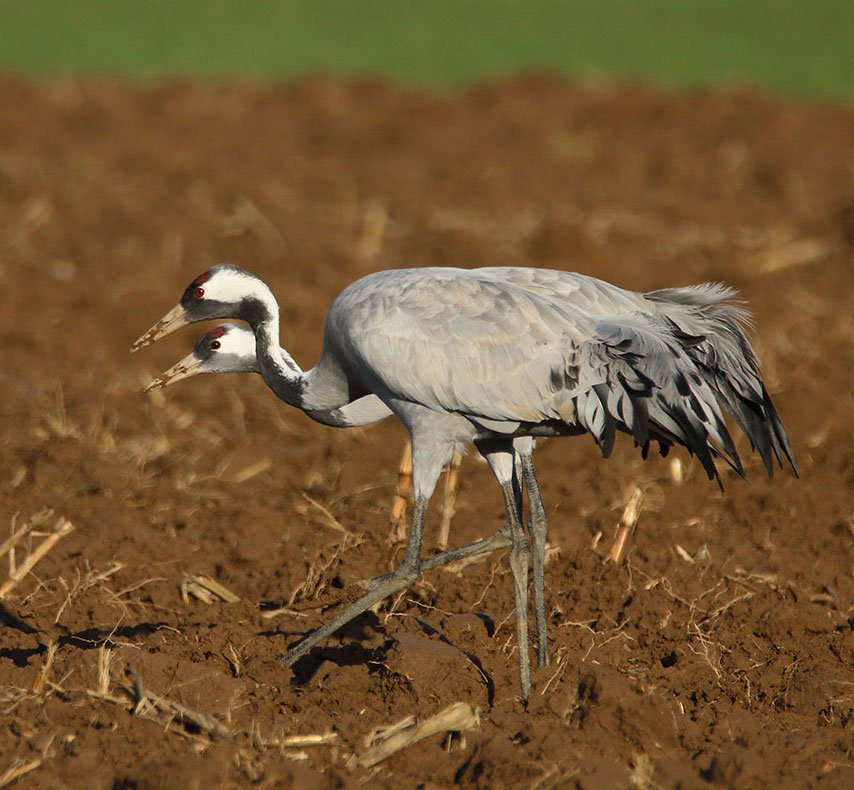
(301, 741)
(629, 519)
(449, 505)
(401, 495)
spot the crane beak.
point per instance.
(174, 319)
(188, 366)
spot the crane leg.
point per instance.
(401, 578)
(539, 526)
(500, 540)
(500, 456)
(519, 559)
(428, 458)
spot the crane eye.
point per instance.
(215, 344)
(199, 292)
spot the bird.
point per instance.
(494, 357)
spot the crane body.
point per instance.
(494, 357)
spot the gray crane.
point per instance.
(496, 356)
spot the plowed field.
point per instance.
(720, 651)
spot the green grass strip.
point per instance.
(795, 46)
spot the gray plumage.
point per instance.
(496, 356)
(541, 351)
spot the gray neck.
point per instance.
(279, 371)
(364, 411)
(322, 388)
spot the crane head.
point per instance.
(230, 348)
(222, 291)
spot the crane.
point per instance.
(497, 356)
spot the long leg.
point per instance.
(428, 460)
(539, 526)
(500, 540)
(501, 460)
(403, 576)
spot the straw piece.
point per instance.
(386, 741)
(205, 589)
(676, 473)
(300, 741)
(683, 553)
(269, 614)
(248, 472)
(800, 252)
(329, 520)
(42, 678)
(201, 720)
(18, 770)
(450, 501)
(62, 528)
(402, 495)
(15, 538)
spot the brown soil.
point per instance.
(721, 652)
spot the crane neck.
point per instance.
(363, 411)
(278, 368)
(320, 389)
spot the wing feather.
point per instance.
(508, 347)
